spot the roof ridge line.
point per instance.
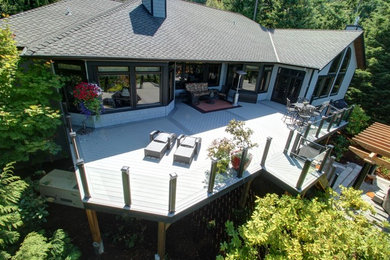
(45, 41)
(273, 46)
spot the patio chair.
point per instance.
(187, 148)
(224, 93)
(160, 142)
(321, 110)
(291, 112)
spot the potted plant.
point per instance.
(241, 138)
(88, 99)
(220, 150)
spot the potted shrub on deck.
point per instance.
(241, 138)
(225, 150)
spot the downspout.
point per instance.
(86, 70)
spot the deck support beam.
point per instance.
(95, 231)
(244, 194)
(161, 238)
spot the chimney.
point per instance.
(157, 8)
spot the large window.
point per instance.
(148, 85)
(75, 73)
(330, 84)
(197, 72)
(341, 74)
(250, 79)
(115, 83)
(265, 78)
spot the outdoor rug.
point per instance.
(205, 107)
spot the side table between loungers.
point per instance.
(160, 142)
(187, 148)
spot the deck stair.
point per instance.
(345, 174)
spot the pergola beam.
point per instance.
(367, 156)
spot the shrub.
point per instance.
(37, 246)
(328, 227)
(341, 144)
(358, 121)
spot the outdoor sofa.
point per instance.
(160, 142)
(196, 91)
(187, 148)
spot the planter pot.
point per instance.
(236, 160)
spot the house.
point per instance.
(142, 53)
(163, 45)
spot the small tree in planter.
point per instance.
(225, 149)
(241, 139)
(220, 150)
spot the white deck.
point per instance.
(106, 150)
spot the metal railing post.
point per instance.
(83, 177)
(213, 171)
(329, 149)
(349, 113)
(242, 162)
(172, 192)
(69, 122)
(296, 141)
(304, 172)
(266, 149)
(76, 150)
(126, 185)
(331, 121)
(341, 117)
(307, 130)
(289, 138)
(320, 126)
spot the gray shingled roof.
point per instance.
(311, 48)
(107, 29)
(43, 22)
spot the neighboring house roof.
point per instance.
(190, 32)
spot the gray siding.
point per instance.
(159, 8)
(148, 5)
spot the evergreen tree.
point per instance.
(370, 88)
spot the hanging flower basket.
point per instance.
(88, 99)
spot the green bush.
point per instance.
(341, 144)
(358, 121)
(37, 246)
(328, 227)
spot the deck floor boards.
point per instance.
(106, 150)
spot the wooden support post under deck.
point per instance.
(161, 238)
(244, 194)
(95, 230)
